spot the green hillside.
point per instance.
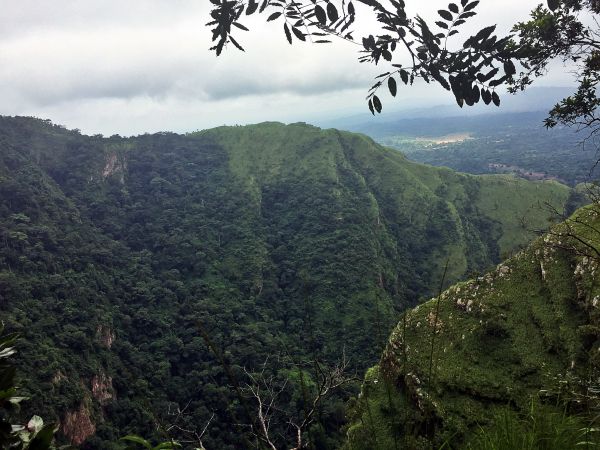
(283, 244)
(526, 330)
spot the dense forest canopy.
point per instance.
(282, 244)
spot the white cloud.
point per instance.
(144, 65)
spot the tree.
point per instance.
(266, 391)
(560, 32)
(472, 69)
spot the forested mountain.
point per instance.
(280, 244)
(488, 348)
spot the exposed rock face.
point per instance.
(102, 388)
(77, 425)
(105, 336)
(114, 165)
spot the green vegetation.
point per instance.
(32, 436)
(280, 243)
(543, 427)
(527, 330)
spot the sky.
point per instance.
(136, 66)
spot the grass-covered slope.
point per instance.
(286, 241)
(528, 328)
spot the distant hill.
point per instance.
(514, 142)
(482, 139)
(278, 242)
(532, 100)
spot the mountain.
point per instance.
(526, 330)
(147, 275)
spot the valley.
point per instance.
(143, 272)
(511, 142)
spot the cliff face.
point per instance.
(77, 425)
(528, 327)
(105, 335)
(102, 388)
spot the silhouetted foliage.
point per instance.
(471, 67)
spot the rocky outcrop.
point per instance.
(519, 332)
(114, 164)
(102, 388)
(105, 336)
(77, 425)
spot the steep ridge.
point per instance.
(275, 240)
(528, 329)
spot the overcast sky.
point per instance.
(134, 66)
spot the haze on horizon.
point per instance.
(143, 66)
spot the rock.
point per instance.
(77, 425)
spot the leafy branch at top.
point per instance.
(472, 68)
(558, 32)
(471, 71)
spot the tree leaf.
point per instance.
(377, 104)
(5, 353)
(240, 26)
(320, 14)
(509, 68)
(137, 440)
(435, 73)
(392, 86)
(486, 96)
(351, 10)
(471, 5)
(274, 16)
(404, 76)
(234, 42)
(553, 4)
(332, 12)
(299, 34)
(43, 439)
(252, 7)
(475, 94)
(484, 33)
(288, 35)
(446, 15)
(491, 74)
(495, 98)
(452, 7)
(35, 424)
